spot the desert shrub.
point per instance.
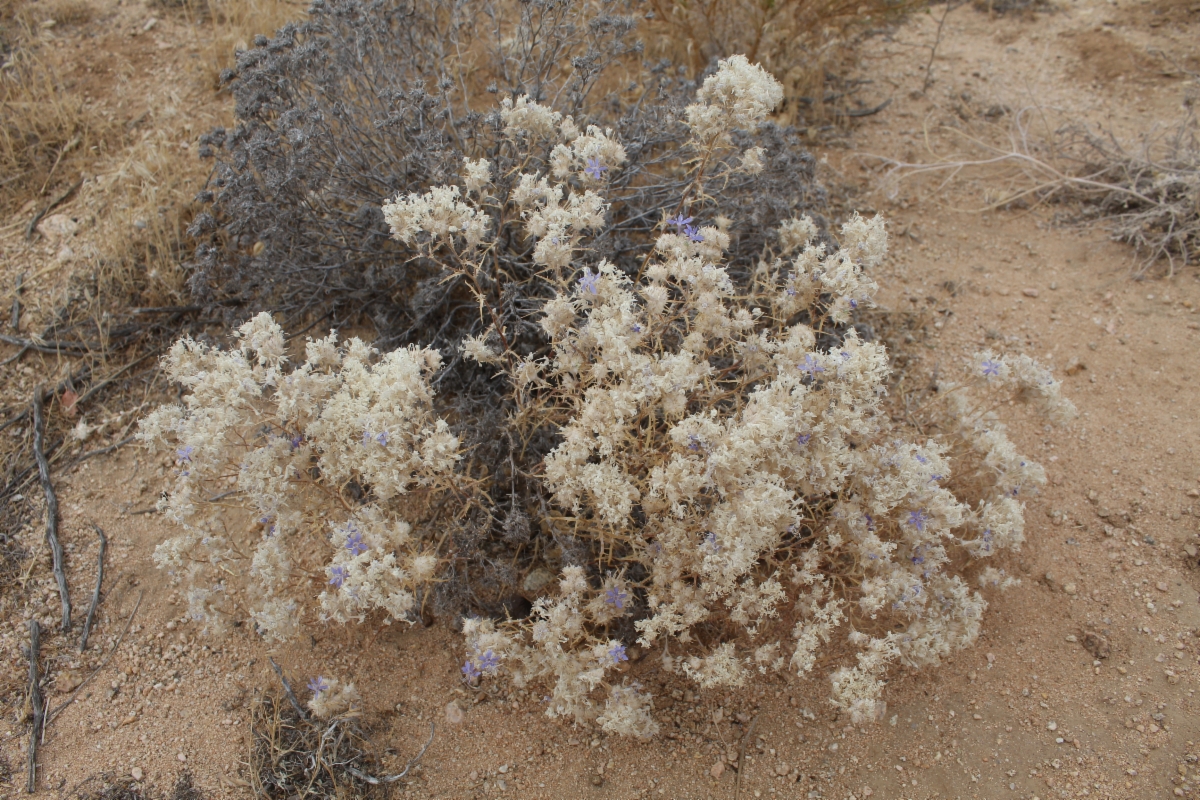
(707, 453)
(339, 449)
(355, 105)
(364, 100)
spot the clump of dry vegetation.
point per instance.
(295, 753)
(1146, 193)
(43, 127)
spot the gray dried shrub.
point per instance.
(368, 99)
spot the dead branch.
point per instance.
(287, 687)
(91, 615)
(39, 443)
(362, 776)
(55, 203)
(35, 702)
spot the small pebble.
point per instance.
(181, 757)
(136, 773)
(1070, 588)
(1053, 726)
(717, 770)
(1030, 292)
(1161, 586)
(454, 713)
(782, 769)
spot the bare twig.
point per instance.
(53, 348)
(737, 784)
(54, 714)
(950, 6)
(33, 223)
(91, 615)
(35, 702)
(16, 304)
(393, 778)
(39, 443)
(287, 687)
(93, 453)
(863, 112)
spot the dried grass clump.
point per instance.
(296, 755)
(42, 127)
(798, 41)
(1146, 194)
(231, 26)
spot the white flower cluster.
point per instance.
(319, 460)
(738, 95)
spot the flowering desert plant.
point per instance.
(723, 449)
(330, 460)
(705, 451)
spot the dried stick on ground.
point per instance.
(35, 702)
(412, 762)
(287, 687)
(91, 615)
(16, 304)
(39, 444)
(55, 203)
(737, 784)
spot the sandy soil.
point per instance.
(1083, 682)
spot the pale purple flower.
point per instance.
(693, 233)
(354, 543)
(617, 653)
(337, 575)
(918, 519)
(810, 365)
(588, 282)
(615, 597)
(470, 671)
(317, 685)
(710, 539)
(185, 453)
(595, 168)
(990, 368)
(382, 438)
(679, 221)
(488, 662)
(803, 438)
